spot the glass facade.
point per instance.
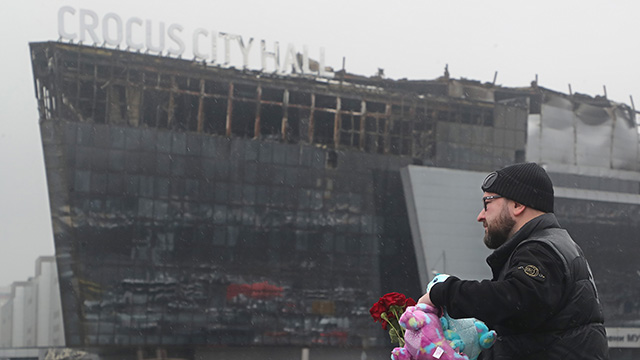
(178, 238)
(608, 235)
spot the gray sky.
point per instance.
(585, 43)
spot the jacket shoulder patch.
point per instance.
(532, 271)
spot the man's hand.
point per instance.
(425, 299)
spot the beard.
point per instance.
(498, 231)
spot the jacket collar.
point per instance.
(498, 258)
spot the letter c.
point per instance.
(129, 26)
(196, 44)
(61, 31)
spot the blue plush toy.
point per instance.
(470, 335)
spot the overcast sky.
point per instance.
(585, 43)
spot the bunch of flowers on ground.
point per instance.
(388, 310)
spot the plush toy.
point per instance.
(424, 337)
(473, 334)
(437, 279)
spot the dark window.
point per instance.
(275, 95)
(185, 113)
(155, 108)
(244, 91)
(323, 127)
(300, 98)
(332, 159)
(374, 134)
(327, 102)
(187, 83)
(243, 119)
(117, 104)
(350, 104)
(375, 107)
(350, 130)
(216, 87)
(215, 115)
(271, 121)
(297, 124)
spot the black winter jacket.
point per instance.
(542, 300)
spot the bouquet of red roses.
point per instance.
(388, 310)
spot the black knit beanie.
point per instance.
(527, 184)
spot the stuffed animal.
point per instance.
(437, 279)
(424, 337)
(473, 334)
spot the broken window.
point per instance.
(400, 135)
(423, 134)
(350, 130)
(376, 107)
(117, 101)
(271, 113)
(350, 119)
(243, 118)
(215, 115)
(400, 130)
(374, 134)
(155, 105)
(298, 116)
(271, 121)
(328, 102)
(185, 112)
(274, 95)
(323, 123)
(347, 104)
(216, 87)
(297, 124)
(300, 98)
(188, 84)
(245, 91)
(99, 105)
(86, 96)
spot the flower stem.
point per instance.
(400, 336)
(399, 330)
(395, 327)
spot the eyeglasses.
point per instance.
(484, 200)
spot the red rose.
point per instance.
(376, 311)
(398, 301)
(393, 298)
(387, 311)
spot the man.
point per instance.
(542, 299)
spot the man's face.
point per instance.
(497, 221)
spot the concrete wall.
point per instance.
(443, 205)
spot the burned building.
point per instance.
(198, 207)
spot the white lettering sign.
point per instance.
(623, 337)
(136, 34)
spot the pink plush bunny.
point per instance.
(424, 337)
